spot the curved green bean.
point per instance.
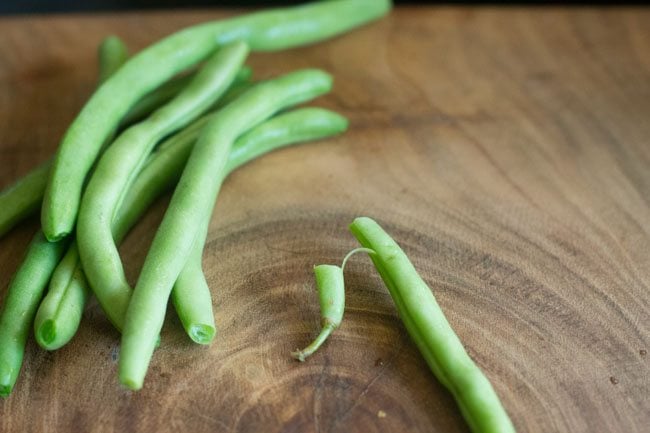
(192, 203)
(263, 31)
(434, 337)
(295, 126)
(331, 296)
(24, 294)
(23, 197)
(191, 294)
(60, 311)
(64, 303)
(120, 165)
(112, 54)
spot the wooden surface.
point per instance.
(507, 151)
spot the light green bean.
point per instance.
(331, 295)
(429, 329)
(23, 296)
(23, 198)
(295, 126)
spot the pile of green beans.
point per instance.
(263, 31)
(182, 111)
(182, 115)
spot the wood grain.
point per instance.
(507, 151)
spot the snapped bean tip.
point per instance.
(46, 333)
(202, 334)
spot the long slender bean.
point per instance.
(191, 294)
(191, 203)
(24, 294)
(60, 311)
(23, 197)
(119, 166)
(263, 31)
(434, 337)
(63, 306)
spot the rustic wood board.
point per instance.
(508, 152)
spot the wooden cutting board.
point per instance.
(506, 149)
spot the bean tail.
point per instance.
(331, 296)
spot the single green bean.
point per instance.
(192, 203)
(24, 294)
(167, 91)
(434, 337)
(112, 54)
(120, 165)
(331, 295)
(64, 303)
(60, 311)
(23, 197)
(191, 294)
(263, 31)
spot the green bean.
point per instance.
(191, 294)
(23, 198)
(24, 294)
(263, 31)
(192, 203)
(119, 166)
(60, 311)
(64, 303)
(112, 54)
(434, 337)
(299, 125)
(331, 294)
(167, 91)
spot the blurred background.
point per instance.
(54, 6)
